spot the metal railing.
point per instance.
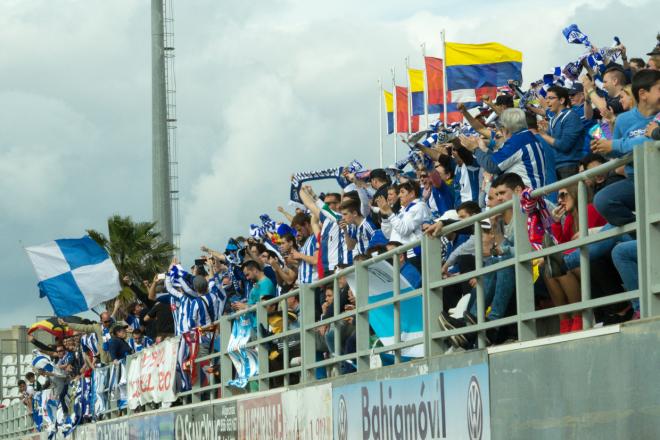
(646, 227)
(15, 420)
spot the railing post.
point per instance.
(396, 291)
(478, 265)
(524, 278)
(362, 317)
(431, 297)
(307, 335)
(585, 264)
(262, 349)
(226, 366)
(647, 210)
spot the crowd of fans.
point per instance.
(603, 115)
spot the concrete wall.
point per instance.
(605, 387)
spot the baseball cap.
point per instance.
(576, 88)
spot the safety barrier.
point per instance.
(294, 367)
(646, 161)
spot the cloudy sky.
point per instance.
(264, 89)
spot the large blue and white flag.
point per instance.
(381, 319)
(74, 274)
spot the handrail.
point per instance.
(647, 163)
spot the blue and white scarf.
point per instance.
(298, 179)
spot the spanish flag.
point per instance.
(389, 109)
(475, 70)
(416, 91)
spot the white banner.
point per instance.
(151, 374)
(308, 413)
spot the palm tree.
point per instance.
(136, 248)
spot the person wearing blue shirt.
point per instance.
(616, 202)
(564, 132)
(118, 348)
(138, 341)
(576, 95)
(408, 271)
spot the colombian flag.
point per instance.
(389, 108)
(475, 70)
(416, 91)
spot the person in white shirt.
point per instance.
(25, 392)
(406, 226)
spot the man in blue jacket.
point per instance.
(564, 132)
(616, 202)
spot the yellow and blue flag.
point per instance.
(475, 70)
(416, 77)
(389, 109)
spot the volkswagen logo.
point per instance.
(475, 418)
(342, 419)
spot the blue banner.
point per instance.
(449, 404)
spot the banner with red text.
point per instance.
(151, 374)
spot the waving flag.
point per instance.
(401, 109)
(574, 35)
(381, 319)
(435, 84)
(417, 91)
(436, 91)
(74, 274)
(389, 109)
(475, 70)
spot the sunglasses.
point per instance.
(562, 195)
(106, 322)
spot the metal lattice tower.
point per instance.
(170, 99)
(165, 195)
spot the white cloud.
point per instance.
(263, 91)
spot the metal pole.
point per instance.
(444, 76)
(380, 122)
(395, 112)
(410, 116)
(161, 204)
(426, 87)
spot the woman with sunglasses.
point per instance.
(565, 289)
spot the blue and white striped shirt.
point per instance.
(363, 235)
(334, 250)
(307, 272)
(138, 346)
(187, 310)
(521, 154)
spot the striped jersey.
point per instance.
(307, 272)
(90, 343)
(186, 309)
(363, 235)
(138, 346)
(521, 154)
(334, 250)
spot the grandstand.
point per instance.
(595, 383)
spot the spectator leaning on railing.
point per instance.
(102, 331)
(617, 201)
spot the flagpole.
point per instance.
(395, 110)
(426, 87)
(409, 96)
(444, 76)
(380, 122)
